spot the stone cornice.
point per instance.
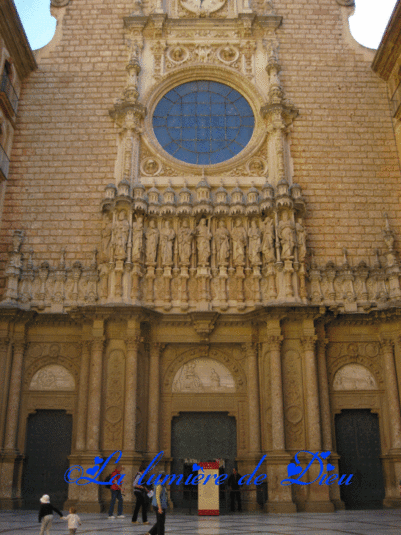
(390, 46)
(15, 39)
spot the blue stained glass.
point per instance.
(203, 122)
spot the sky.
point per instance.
(367, 24)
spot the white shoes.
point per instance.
(112, 517)
(121, 516)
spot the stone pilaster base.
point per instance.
(279, 496)
(313, 498)
(10, 483)
(392, 477)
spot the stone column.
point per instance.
(324, 394)
(392, 460)
(9, 490)
(318, 498)
(280, 498)
(95, 395)
(253, 399)
(314, 442)
(276, 388)
(10, 442)
(325, 414)
(83, 396)
(131, 377)
(392, 394)
(5, 354)
(154, 393)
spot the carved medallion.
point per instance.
(202, 8)
(59, 3)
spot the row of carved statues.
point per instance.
(249, 242)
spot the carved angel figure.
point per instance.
(106, 238)
(301, 239)
(239, 239)
(167, 236)
(152, 240)
(268, 241)
(137, 239)
(255, 244)
(120, 234)
(222, 240)
(203, 236)
(184, 243)
(286, 232)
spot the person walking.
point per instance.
(73, 520)
(141, 494)
(46, 514)
(235, 494)
(159, 502)
(116, 492)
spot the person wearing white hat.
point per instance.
(46, 514)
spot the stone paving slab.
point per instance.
(386, 522)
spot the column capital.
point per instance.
(97, 344)
(155, 348)
(132, 342)
(250, 348)
(275, 341)
(387, 343)
(308, 342)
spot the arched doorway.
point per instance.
(358, 444)
(48, 445)
(201, 437)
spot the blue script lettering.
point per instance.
(95, 472)
(296, 472)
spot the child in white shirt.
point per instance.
(73, 520)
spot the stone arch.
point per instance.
(52, 377)
(216, 355)
(354, 377)
(46, 361)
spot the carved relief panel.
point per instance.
(293, 399)
(114, 400)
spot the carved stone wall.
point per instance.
(114, 401)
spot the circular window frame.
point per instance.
(219, 74)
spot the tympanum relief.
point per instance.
(203, 375)
(354, 377)
(52, 377)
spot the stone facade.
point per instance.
(137, 286)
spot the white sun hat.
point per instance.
(45, 498)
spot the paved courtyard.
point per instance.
(345, 522)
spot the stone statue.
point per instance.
(184, 242)
(255, 244)
(239, 239)
(286, 232)
(268, 241)
(152, 240)
(167, 236)
(137, 239)
(203, 236)
(106, 238)
(222, 240)
(301, 240)
(120, 234)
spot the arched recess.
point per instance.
(52, 377)
(231, 401)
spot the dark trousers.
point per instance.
(141, 501)
(116, 495)
(158, 528)
(235, 495)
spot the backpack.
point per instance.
(108, 479)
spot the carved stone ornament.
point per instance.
(228, 54)
(177, 54)
(203, 375)
(354, 377)
(53, 377)
(202, 8)
(59, 3)
(257, 167)
(347, 3)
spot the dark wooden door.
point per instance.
(201, 437)
(358, 444)
(48, 445)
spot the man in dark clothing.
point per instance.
(46, 514)
(235, 493)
